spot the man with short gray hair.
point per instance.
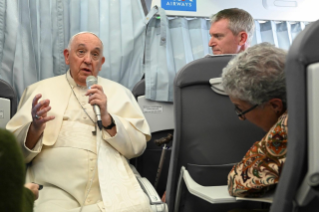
(231, 31)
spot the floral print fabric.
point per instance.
(260, 169)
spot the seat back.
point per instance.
(160, 117)
(298, 188)
(8, 103)
(208, 136)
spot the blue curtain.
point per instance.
(8, 34)
(181, 42)
(296, 27)
(170, 44)
(268, 32)
(159, 64)
(199, 33)
(283, 35)
(257, 35)
(34, 33)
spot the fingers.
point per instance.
(42, 108)
(34, 188)
(36, 99)
(95, 89)
(39, 186)
(42, 120)
(96, 95)
(39, 112)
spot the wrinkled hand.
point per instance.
(34, 188)
(98, 97)
(39, 119)
(39, 113)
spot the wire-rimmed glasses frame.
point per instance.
(241, 114)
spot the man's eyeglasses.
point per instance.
(241, 114)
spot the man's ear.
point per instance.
(277, 105)
(102, 62)
(66, 54)
(242, 38)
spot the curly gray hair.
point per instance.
(239, 20)
(256, 75)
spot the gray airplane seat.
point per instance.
(8, 103)
(209, 138)
(153, 163)
(298, 186)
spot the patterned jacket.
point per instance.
(260, 169)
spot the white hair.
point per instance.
(84, 32)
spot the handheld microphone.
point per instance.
(91, 80)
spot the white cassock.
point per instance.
(68, 157)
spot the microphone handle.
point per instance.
(98, 116)
(97, 112)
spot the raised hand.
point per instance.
(39, 113)
(39, 119)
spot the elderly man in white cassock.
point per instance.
(82, 167)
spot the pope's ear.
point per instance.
(66, 54)
(102, 62)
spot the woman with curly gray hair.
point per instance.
(255, 83)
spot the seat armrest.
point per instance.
(212, 194)
(268, 197)
(136, 173)
(149, 190)
(217, 194)
(155, 201)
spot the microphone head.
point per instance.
(91, 80)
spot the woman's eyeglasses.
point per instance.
(241, 114)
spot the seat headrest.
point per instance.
(217, 86)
